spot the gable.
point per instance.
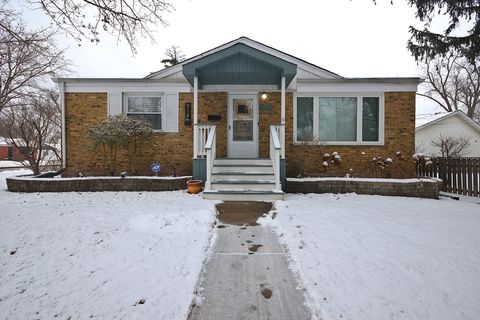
(304, 68)
(454, 122)
(239, 64)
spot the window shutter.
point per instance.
(114, 104)
(171, 113)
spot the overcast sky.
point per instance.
(352, 38)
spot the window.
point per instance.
(146, 107)
(304, 118)
(341, 120)
(370, 118)
(337, 118)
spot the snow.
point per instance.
(372, 257)
(29, 177)
(320, 179)
(10, 164)
(83, 255)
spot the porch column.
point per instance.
(195, 117)
(282, 134)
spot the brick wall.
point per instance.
(266, 118)
(399, 136)
(214, 103)
(82, 109)
(175, 150)
(172, 150)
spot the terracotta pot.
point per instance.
(194, 186)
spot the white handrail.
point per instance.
(275, 154)
(210, 149)
(200, 139)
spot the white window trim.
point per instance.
(147, 94)
(359, 96)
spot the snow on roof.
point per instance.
(460, 114)
(4, 141)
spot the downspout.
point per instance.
(64, 133)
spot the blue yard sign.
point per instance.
(155, 167)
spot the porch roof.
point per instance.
(239, 64)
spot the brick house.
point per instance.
(8, 151)
(243, 116)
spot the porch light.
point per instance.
(264, 96)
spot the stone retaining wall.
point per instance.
(421, 188)
(30, 184)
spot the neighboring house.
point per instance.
(9, 152)
(263, 103)
(454, 124)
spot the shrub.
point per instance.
(116, 133)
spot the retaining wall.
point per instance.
(421, 188)
(88, 184)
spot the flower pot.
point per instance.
(194, 186)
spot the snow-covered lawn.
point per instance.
(81, 255)
(10, 164)
(372, 257)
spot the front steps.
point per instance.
(242, 180)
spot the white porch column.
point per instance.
(195, 117)
(282, 138)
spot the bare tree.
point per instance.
(34, 126)
(453, 83)
(452, 146)
(86, 19)
(174, 56)
(27, 60)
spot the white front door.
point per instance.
(242, 126)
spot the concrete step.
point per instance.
(243, 185)
(241, 175)
(243, 168)
(242, 195)
(230, 161)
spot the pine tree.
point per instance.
(425, 44)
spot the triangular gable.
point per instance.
(458, 113)
(301, 64)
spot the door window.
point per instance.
(242, 119)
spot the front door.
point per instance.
(242, 126)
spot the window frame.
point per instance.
(147, 95)
(316, 105)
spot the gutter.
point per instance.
(398, 80)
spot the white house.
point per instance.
(454, 124)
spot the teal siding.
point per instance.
(240, 64)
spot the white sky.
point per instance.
(353, 38)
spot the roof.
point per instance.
(253, 44)
(239, 64)
(268, 59)
(458, 113)
(392, 80)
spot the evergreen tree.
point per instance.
(425, 44)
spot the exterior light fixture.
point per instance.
(264, 96)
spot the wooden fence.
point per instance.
(459, 175)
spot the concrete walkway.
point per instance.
(247, 276)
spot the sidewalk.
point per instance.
(247, 275)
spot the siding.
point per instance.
(453, 126)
